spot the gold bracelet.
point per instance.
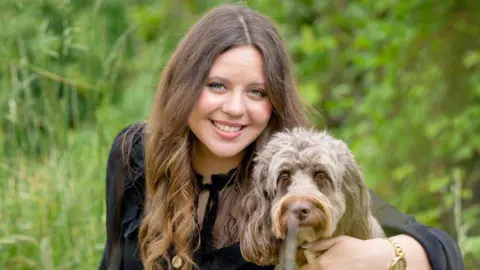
(399, 262)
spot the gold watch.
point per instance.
(399, 263)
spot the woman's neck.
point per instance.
(206, 163)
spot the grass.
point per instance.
(52, 198)
(53, 208)
(55, 135)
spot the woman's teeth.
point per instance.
(227, 128)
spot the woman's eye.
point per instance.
(258, 93)
(216, 86)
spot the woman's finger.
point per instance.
(324, 244)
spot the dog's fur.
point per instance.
(313, 177)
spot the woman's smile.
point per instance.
(228, 131)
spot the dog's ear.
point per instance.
(356, 219)
(258, 244)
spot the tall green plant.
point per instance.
(62, 60)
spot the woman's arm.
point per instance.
(424, 246)
(112, 253)
(118, 176)
(415, 255)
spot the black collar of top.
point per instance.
(218, 183)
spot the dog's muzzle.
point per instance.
(310, 211)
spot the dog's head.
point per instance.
(307, 175)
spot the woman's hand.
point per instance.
(345, 252)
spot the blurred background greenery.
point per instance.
(399, 80)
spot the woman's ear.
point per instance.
(257, 241)
(356, 219)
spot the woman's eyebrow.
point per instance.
(217, 78)
(224, 80)
(259, 84)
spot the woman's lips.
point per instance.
(228, 132)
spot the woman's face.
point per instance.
(233, 108)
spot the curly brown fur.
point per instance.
(313, 177)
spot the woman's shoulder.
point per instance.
(128, 143)
(126, 153)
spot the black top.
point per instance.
(125, 195)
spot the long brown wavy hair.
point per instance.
(169, 223)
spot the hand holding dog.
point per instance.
(345, 252)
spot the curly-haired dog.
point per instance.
(313, 177)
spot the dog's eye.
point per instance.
(284, 179)
(321, 174)
(321, 177)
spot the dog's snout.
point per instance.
(301, 209)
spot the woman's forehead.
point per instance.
(241, 63)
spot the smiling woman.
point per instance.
(233, 108)
(174, 183)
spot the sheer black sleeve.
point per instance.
(442, 250)
(124, 168)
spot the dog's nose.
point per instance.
(301, 210)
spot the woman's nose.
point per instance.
(234, 104)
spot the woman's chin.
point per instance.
(226, 150)
(228, 153)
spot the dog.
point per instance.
(313, 178)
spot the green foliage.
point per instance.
(398, 80)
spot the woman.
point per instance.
(174, 183)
